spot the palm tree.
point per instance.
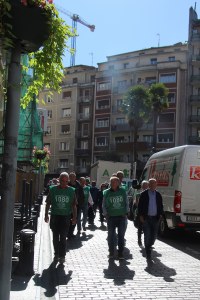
(135, 108)
(158, 103)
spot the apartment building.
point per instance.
(193, 99)
(112, 134)
(70, 121)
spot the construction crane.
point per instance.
(75, 18)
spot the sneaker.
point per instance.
(62, 260)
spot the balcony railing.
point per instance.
(195, 98)
(194, 139)
(120, 127)
(82, 152)
(195, 79)
(196, 58)
(83, 134)
(196, 36)
(85, 99)
(195, 118)
(83, 116)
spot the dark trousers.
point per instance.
(150, 228)
(59, 226)
(119, 223)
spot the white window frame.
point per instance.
(48, 98)
(66, 112)
(63, 163)
(49, 114)
(64, 146)
(48, 130)
(102, 107)
(167, 77)
(101, 123)
(103, 144)
(163, 140)
(103, 86)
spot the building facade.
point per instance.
(70, 121)
(112, 134)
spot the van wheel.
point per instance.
(163, 228)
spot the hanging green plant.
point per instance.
(47, 61)
(41, 158)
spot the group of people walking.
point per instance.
(71, 200)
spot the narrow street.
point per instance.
(88, 274)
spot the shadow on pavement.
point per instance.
(158, 269)
(119, 273)
(19, 283)
(77, 242)
(51, 278)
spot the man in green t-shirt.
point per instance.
(115, 209)
(62, 200)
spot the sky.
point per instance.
(125, 26)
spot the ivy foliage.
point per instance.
(47, 61)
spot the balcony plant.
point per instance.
(43, 35)
(41, 158)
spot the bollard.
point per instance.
(26, 256)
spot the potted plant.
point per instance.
(41, 158)
(39, 25)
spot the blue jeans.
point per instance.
(80, 210)
(150, 228)
(119, 223)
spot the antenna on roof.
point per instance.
(195, 6)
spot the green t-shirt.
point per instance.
(86, 191)
(61, 200)
(115, 202)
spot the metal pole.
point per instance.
(9, 171)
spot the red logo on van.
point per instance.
(195, 172)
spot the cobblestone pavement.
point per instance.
(88, 274)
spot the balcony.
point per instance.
(128, 146)
(116, 110)
(194, 119)
(196, 37)
(195, 80)
(85, 99)
(195, 99)
(194, 140)
(196, 60)
(84, 117)
(120, 127)
(82, 152)
(83, 170)
(83, 134)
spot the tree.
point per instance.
(135, 108)
(158, 102)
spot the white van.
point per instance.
(177, 171)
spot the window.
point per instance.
(64, 163)
(102, 86)
(48, 129)
(139, 80)
(102, 122)
(47, 145)
(126, 65)
(122, 83)
(49, 114)
(65, 128)
(168, 78)
(66, 112)
(84, 145)
(120, 121)
(64, 146)
(119, 103)
(153, 61)
(165, 138)
(86, 111)
(171, 97)
(119, 139)
(48, 98)
(66, 94)
(171, 58)
(148, 138)
(75, 80)
(85, 129)
(101, 141)
(111, 68)
(150, 80)
(92, 78)
(102, 104)
(166, 117)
